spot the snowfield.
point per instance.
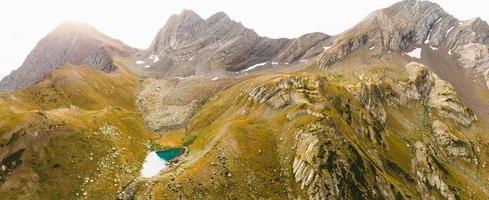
(254, 66)
(416, 53)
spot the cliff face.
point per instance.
(331, 163)
(416, 24)
(395, 28)
(72, 43)
(188, 44)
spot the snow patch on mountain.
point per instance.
(254, 66)
(416, 53)
(153, 165)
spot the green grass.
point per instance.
(256, 143)
(62, 118)
(237, 149)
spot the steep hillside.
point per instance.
(393, 108)
(394, 133)
(72, 134)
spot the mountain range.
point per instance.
(395, 107)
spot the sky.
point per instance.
(135, 22)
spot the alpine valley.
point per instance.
(396, 107)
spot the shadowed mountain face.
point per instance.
(393, 108)
(73, 43)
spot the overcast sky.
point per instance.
(24, 22)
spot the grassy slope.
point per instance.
(77, 123)
(243, 150)
(237, 149)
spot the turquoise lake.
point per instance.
(170, 154)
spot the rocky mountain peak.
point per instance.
(188, 28)
(419, 31)
(71, 42)
(476, 24)
(406, 24)
(186, 13)
(413, 6)
(185, 17)
(219, 16)
(74, 27)
(188, 44)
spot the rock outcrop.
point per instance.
(74, 43)
(436, 94)
(326, 152)
(452, 142)
(427, 174)
(475, 56)
(395, 28)
(327, 167)
(281, 92)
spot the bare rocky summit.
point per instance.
(188, 45)
(395, 28)
(416, 24)
(71, 42)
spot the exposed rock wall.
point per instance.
(203, 45)
(328, 167)
(395, 28)
(416, 23)
(427, 174)
(334, 161)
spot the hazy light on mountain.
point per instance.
(24, 22)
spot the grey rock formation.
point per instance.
(475, 56)
(452, 141)
(395, 28)
(327, 165)
(413, 23)
(71, 42)
(188, 45)
(428, 174)
(444, 100)
(284, 91)
(437, 95)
